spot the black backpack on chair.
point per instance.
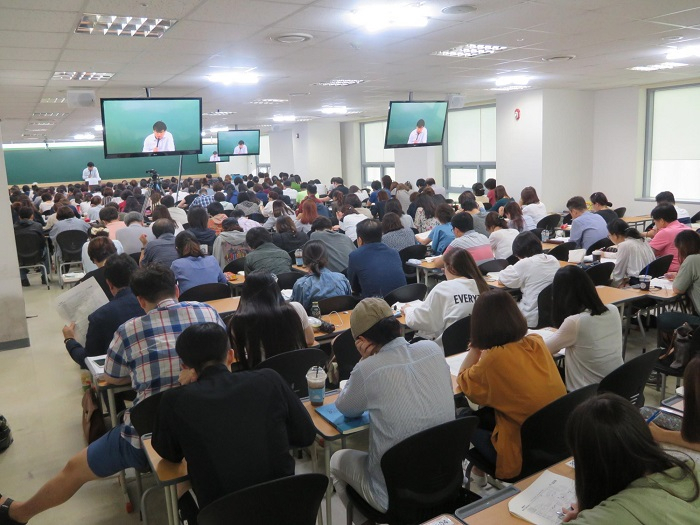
(5, 434)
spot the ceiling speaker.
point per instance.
(80, 98)
(455, 102)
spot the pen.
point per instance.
(653, 416)
(561, 513)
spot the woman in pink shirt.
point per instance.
(666, 227)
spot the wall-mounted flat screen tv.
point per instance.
(239, 142)
(210, 153)
(415, 124)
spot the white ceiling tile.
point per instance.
(243, 13)
(210, 32)
(20, 39)
(27, 54)
(37, 21)
(174, 9)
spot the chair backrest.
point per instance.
(561, 252)
(346, 354)
(602, 243)
(455, 338)
(494, 265)
(29, 248)
(71, 244)
(620, 212)
(600, 273)
(339, 303)
(695, 218)
(406, 294)
(257, 217)
(543, 435)
(235, 266)
(630, 379)
(136, 257)
(412, 252)
(206, 292)
(550, 222)
(144, 415)
(659, 266)
(293, 365)
(423, 473)
(545, 306)
(286, 280)
(293, 500)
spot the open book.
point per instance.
(541, 502)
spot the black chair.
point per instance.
(561, 252)
(70, 243)
(494, 265)
(293, 500)
(455, 338)
(695, 218)
(30, 254)
(567, 219)
(538, 233)
(144, 414)
(411, 252)
(598, 245)
(423, 475)
(600, 273)
(512, 259)
(630, 379)
(293, 365)
(339, 303)
(286, 280)
(545, 307)
(206, 292)
(346, 354)
(542, 436)
(136, 257)
(550, 222)
(659, 267)
(257, 217)
(620, 212)
(406, 294)
(235, 266)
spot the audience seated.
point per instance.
(425, 219)
(531, 205)
(278, 209)
(502, 237)
(244, 222)
(374, 269)
(203, 199)
(516, 219)
(27, 226)
(161, 250)
(178, 214)
(265, 255)
(130, 236)
(586, 328)
(338, 246)
(666, 197)
(194, 268)
(687, 245)
(663, 234)
(230, 243)
(287, 236)
(441, 235)
(508, 371)
(633, 253)
(467, 239)
(394, 234)
(395, 206)
(586, 227)
(216, 217)
(199, 225)
(248, 203)
(471, 207)
(93, 212)
(502, 198)
(405, 387)
(601, 206)
(307, 216)
(66, 220)
(321, 283)
(99, 249)
(109, 216)
(348, 219)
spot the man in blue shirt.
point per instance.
(374, 269)
(586, 227)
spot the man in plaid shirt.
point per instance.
(203, 200)
(142, 353)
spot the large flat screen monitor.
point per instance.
(239, 142)
(146, 127)
(415, 124)
(207, 156)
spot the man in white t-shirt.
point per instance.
(241, 149)
(418, 135)
(214, 157)
(160, 140)
(91, 175)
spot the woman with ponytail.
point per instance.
(633, 252)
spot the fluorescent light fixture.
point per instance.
(42, 123)
(268, 101)
(217, 129)
(34, 130)
(380, 17)
(218, 113)
(97, 24)
(334, 110)
(284, 118)
(339, 82)
(509, 88)
(469, 50)
(84, 136)
(512, 81)
(81, 75)
(233, 77)
(685, 52)
(42, 114)
(99, 128)
(53, 100)
(657, 67)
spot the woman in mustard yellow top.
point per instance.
(509, 371)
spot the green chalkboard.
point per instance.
(55, 164)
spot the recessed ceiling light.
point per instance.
(84, 136)
(53, 100)
(300, 94)
(284, 118)
(81, 75)
(518, 80)
(291, 38)
(338, 82)
(218, 113)
(379, 17)
(269, 101)
(558, 58)
(685, 52)
(458, 9)
(334, 110)
(233, 77)
(48, 114)
(96, 24)
(469, 50)
(509, 88)
(657, 67)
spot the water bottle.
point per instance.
(315, 310)
(298, 255)
(545, 235)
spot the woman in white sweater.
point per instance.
(450, 300)
(348, 219)
(633, 252)
(588, 329)
(533, 207)
(501, 237)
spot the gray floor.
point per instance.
(40, 394)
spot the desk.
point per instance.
(237, 283)
(427, 268)
(225, 306)
(341, 321)
(637, 220)
(167, 475)
(299, 268)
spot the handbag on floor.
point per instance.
(93, 423)
(5, 434)
(684, 345)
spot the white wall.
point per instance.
(281, 151)
(237, 165)
(418, 163)
(317, 151)
(13, 328)
(350, 152)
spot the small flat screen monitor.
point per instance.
(415, 124)
(147, 127)
(239, 142)
(207, 156)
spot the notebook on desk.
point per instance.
(345, 425)
(96, 365)
(541, 502)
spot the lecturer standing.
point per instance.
(91, 175)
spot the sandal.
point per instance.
(5, 513)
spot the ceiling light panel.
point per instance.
(374, 18)
(334, 110)
(81, 75)
(470, 50)
(269, 101)
(123, 25)
(233, 77)
(53, 100)
(338, 82)
(658, 67)
(44, 114)
(684, 52)
(509, 88)
(218, 113)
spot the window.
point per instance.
(470, 148)
(376, 161)
(264, 157)
(672, 152)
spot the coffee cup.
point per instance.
(597, 254)
(644, 282)
(316, 380)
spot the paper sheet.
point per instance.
(455, 362)
(78, 303)
(540, 502)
